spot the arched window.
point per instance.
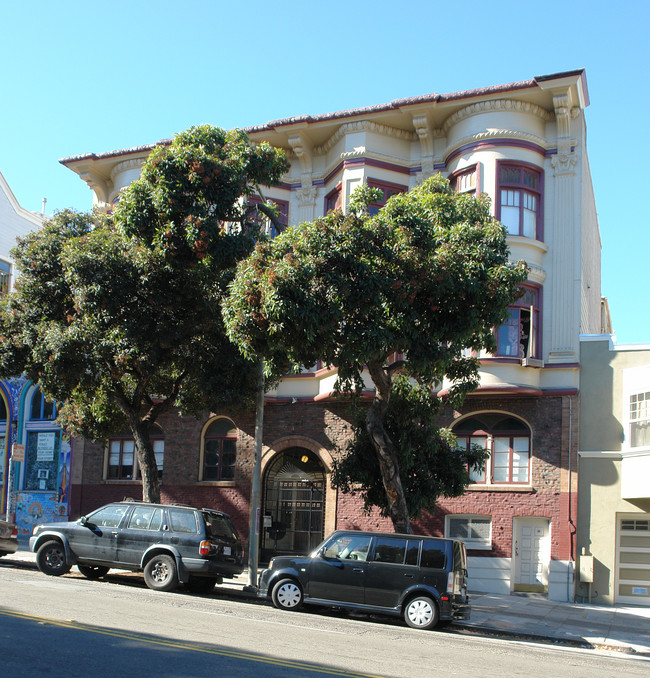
(42, 409)
(506, 438)
(122, 462)
(220, 450)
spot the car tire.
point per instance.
(421, 612)
(93, 571)
(51, 559)
(287, 595)
(201, 584)
(160, 573)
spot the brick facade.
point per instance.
(327, 427)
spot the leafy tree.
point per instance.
(429, 461)
(424, 279)
(119, 316)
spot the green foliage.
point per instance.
(431, 465)
(428, 277)
(120, 315)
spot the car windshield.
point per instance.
(219, 527)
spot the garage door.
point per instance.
(633, 560)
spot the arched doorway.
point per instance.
(293, 503)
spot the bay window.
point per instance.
(519, 199)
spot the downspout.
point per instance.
(571, 567)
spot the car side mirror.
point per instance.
(83, 520)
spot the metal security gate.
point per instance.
(293, 504)
(633, 559)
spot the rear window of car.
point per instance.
(219, 527)
(182, 520)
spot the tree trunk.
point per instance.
(386, 452)
(147, 462)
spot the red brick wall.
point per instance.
(328, 424)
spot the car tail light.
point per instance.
(450, 582)
(15, 532)
(204, 548)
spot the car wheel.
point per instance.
(287, 595)
(51, 559)
(200, 584)
(92, 571)
(421, 613)
(160, 573)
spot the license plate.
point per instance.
(227, 551)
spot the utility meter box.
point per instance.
(587, 569)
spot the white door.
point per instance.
(532, 554)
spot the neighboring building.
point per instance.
(524, 144)
(614, 472)
(38, 487)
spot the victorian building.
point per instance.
(523, 144)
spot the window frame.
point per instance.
(5, 277)
(136, 474)
(523, 314)
(44, 405)
(639, 418)
(264, 222)
(522, 190)
(471, 544)
(388, 188)
(457, 175)
(231, 435)
(491, 433)
(334, 199)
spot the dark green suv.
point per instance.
(169, 543)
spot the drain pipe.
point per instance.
(571, 568)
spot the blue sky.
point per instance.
(83, 77)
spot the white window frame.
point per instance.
(476, 544)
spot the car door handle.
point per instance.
(357, 569)
(409, 576)
(114, 534)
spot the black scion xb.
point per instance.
(422, 579)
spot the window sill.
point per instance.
(501, 488)
(122, 481)
(217, 483)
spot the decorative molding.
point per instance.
(303, 150)
(307, 195)
(126, 165)
(493, 134)
(496, 105)
(364, 126)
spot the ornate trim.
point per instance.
(496, 134)
(125, 165)
(497, 105)
(364, 126)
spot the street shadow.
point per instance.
(35, 647)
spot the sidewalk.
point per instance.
(527, 617)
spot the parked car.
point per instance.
(422, 579)
(8, 538)
(168, 543)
